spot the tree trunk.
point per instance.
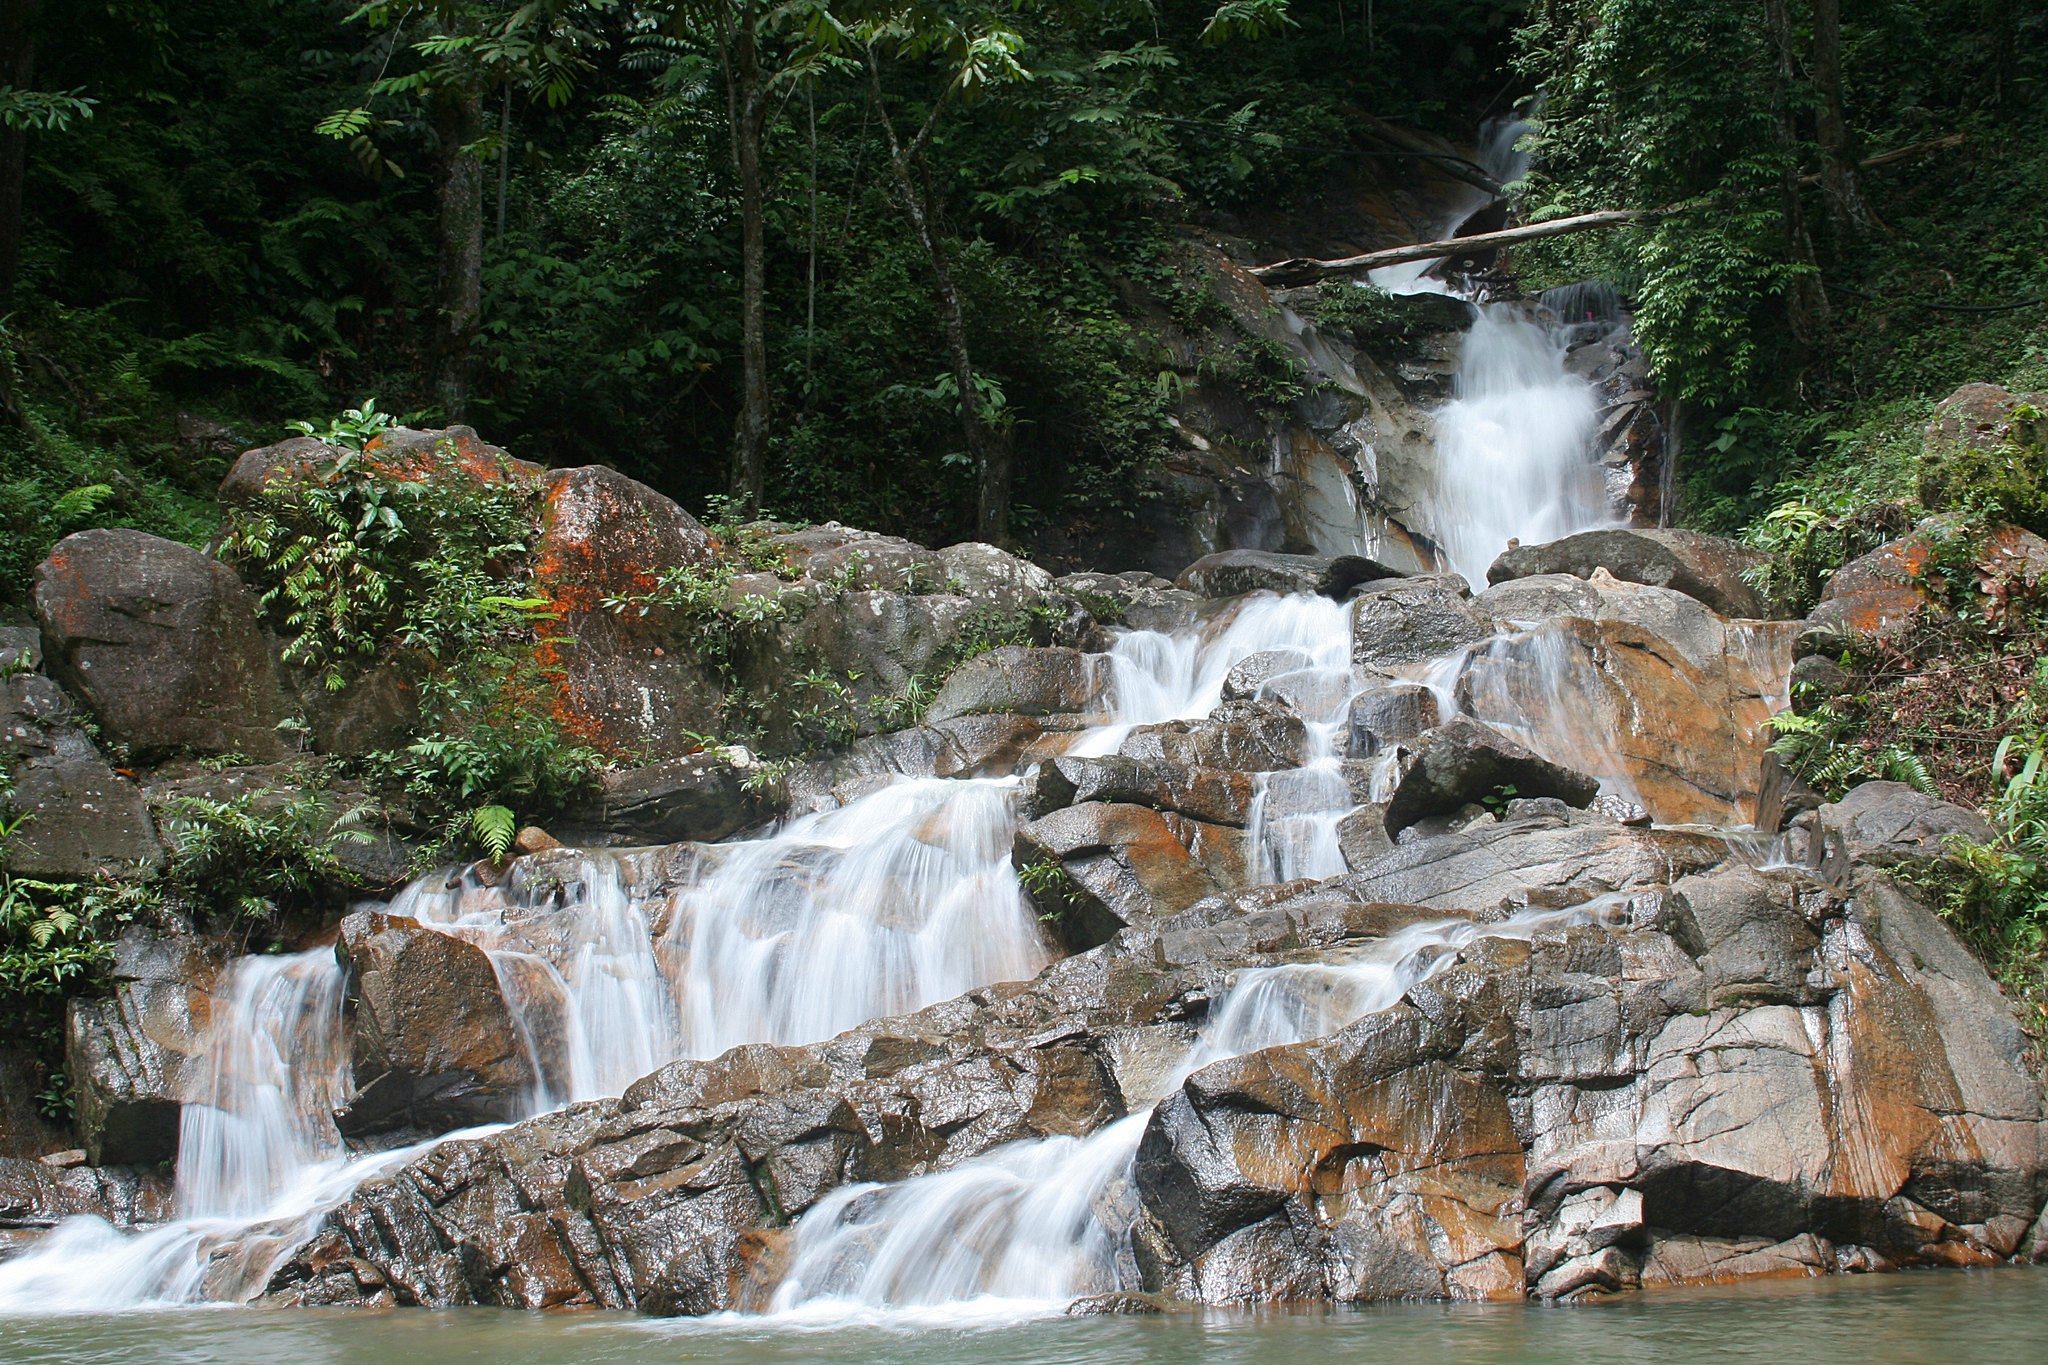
(458, 123)
(747, 108)
(1848, 215)
(1305, 270)
(18, 69)
(990, 449)
(1807, 301)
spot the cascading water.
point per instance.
(895, 900)
(1513, 445)
(1032, 1226)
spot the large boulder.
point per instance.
(1750, 1076)
(435, 1046)
(629, 682)
(1381, 717)
(1025, 681)
(1465, 762)
(994, 577)
(1702, 566)
(1413, 620)
(1112, 865)
(1646, 688)
(1230, 573)
(139, 1054)
(701, 798)
(79, 818)
(1882, 823)
(37, 1195)
(1140, 600)
(850, 560)
(1886, 595)
(162, 643)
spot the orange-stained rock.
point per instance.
(625, 681)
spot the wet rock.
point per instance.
(699, 798)
(629, 683)
(1465, 761)
(1230, 573)
(1888, 822)
(1410, 621)
(1244, 736)
(1251, 674)
(1021, 680)
(671, 1199)
(1119, 1305)
(1122, 865)
(1705, 567)
(137, 1055)
(1577, 1114)
(994, 577)
(1362, 835)
(1382, 717)
(37, 1194)
(1219, 796)
(435, 1046)
(80, 819)
(1642, 686)
(1494, 867)
(161, 643)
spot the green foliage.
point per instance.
(43, 111)
(1823, 747)
(249, 856)
(354, 429)
(494, 827)
(2005, 479)
(360, 556)
(2000, 897)
(51, 944)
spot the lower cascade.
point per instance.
(1039, 1225)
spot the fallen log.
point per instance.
(1305, 270)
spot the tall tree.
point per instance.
(468, 51)
(23, 110)
(1848, 215)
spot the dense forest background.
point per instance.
(755, 249)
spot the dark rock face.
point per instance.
(700, 798)
(1464, 762)
(675, 1198)
(138, 1055)
(81, 819)
(1887, 822)
(1023, 681)
(1409, 621)
(1384, 716)
(1700, 566)
(1749, 1076)
(162, 643)
(1127, 865)
(435, 1045)
(1246, 736)
(629, 683)
(1139, 600)
(1230, 573)
(39, 1195)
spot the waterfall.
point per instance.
(1031, 1226)
(896, 900)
